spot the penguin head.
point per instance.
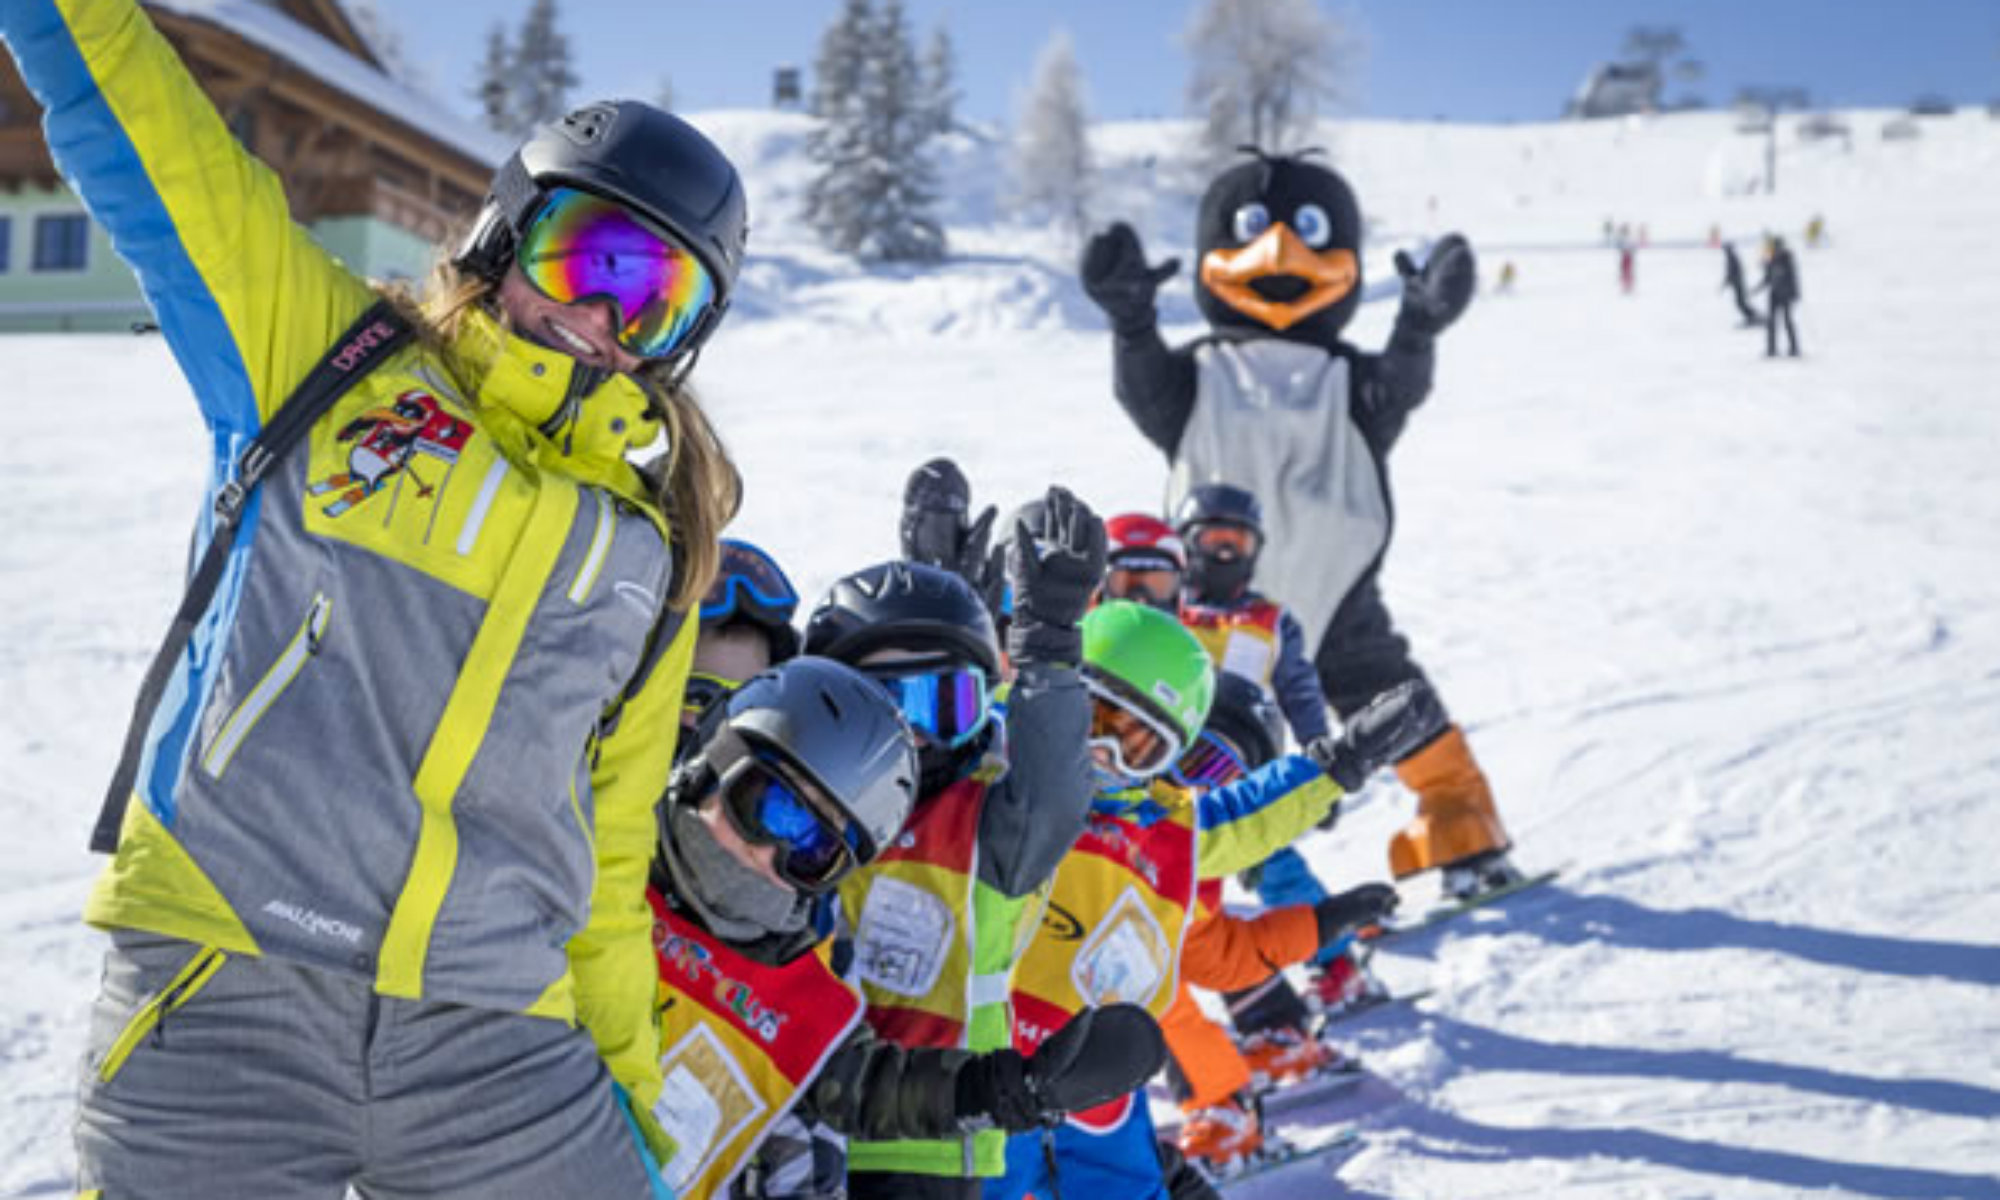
(1279, 239)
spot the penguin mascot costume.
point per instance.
(1272, 400)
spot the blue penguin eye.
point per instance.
(1251, 220)
(1312, 226)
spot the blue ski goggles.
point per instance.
(1210, 762)
(751, 585)
(814, 849)
(948, 706)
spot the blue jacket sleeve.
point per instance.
(1297, 683)
(1244, 822)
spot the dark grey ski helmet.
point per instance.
(648, 160)
(833, 728)
(904, 605)
(1244, 714)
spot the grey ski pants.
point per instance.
(212, 1077)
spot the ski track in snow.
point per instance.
(1726, 633)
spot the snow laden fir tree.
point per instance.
(1050, 163)
(875, 191)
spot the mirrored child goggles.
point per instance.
(947, 705)
(814, 849)
(1140, 743)
(1146, 584)
(1210, 762)
(580, 247)
(1224, 540)
(751, 584)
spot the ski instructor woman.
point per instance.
(378, 906)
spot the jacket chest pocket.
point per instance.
(291, 663)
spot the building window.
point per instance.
(6, 243)
(62, 242)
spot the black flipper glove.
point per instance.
(1055, 561)
(1115, 276)
(1395, 725)
(1102, 1054)
(1438, 294)
(935, 532)
(1358, 906)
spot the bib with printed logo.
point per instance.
(742, 1040)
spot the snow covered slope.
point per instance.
(1725, 632)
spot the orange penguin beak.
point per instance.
(1278, 252)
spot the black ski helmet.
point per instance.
(1218, 504)
(907, 606)
(831, 727)
(650, 161)
(1244, 715)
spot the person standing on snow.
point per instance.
(1122, 900)
(1005, 784)
(1275, 400)
(1732, 278)
(391, 810)
(1781, 281)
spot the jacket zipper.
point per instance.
(303, 646)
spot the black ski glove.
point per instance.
(1102, 1054)
(1395, 725)
(1357, 906)
(1055, 562)
(1437, 295)
(935, 532)
(1116, 277)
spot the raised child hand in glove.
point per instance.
(1355, 907)
(1055, 561)
(1396, 724)
(1102, 1054)
(936, 502)
(1437, 294)
(1116, 277)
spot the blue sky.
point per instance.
(1482, 60)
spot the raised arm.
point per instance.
(1155, 385)
(246, 299)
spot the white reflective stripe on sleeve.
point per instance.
(600, 548)
(476, 519)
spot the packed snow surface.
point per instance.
(1725, 632)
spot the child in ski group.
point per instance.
(1122, 898)
(936, 920)
(1212, 1073)
(391, 781)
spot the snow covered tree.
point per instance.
(494, 89)
(386, 41)
(843, 49)
(543, 71)
(1261, 70)
(940, 82)
(1051, 163)
(663, 95)
(874, 193)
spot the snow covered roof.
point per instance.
(264, 25)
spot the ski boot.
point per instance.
(1473, 877)
(1345, 984)
(1283, 1055)
(1222, 1139)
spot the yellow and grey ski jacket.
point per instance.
(384, 753)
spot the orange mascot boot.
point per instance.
(1456, 820)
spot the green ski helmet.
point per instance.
(1147, 655)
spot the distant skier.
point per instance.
(1732, 278)
(1781, 280)
(1628, 267)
